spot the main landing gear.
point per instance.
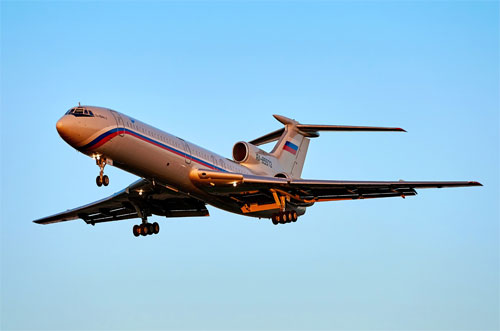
(285, 217)
(146, 229)
(101, 179)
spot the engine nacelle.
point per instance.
(255, 158)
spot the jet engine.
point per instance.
(252, 157)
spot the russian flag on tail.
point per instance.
(290, 147)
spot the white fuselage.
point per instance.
(145, 151)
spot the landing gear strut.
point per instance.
(285, 217)
(101, 179)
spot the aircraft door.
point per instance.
(187, 151)
(214, 161)
(120, 125)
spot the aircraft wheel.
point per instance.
(144, 229)
(151, 229)
(276, 219)
(98, 181)
(136, 231)
(105, 180)
(156, 228)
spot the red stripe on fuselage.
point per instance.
(104, 140)
(148, 140)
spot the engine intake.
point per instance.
(241, 151)
(254, 158)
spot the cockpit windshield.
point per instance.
(80, 112)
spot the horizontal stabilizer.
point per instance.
(268, 138)
(312, 130)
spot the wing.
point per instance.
(140, 198)
(253, 192)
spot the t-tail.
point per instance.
(293, 141)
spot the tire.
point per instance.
(283, 218)
(135, 230)
(144, 229)
(105, 180)
(151, 229)
(98, 181)
(294, 216)
(156, 228)
(275, 219)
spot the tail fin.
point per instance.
(293, 141)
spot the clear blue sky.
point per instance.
(214, 73)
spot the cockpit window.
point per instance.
(80, 112)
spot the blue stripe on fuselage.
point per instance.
(152, 141)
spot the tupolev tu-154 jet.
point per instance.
(178, 178)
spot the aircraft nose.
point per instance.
(69, 129)
(60, 125)
(63, 127)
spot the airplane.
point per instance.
(179, 179)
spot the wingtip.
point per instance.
(401, 129)
(472, 183)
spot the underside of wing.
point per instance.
(323, 190)
(141, 199)
(258, 193)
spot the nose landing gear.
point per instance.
(285, 217)
(101, 179)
